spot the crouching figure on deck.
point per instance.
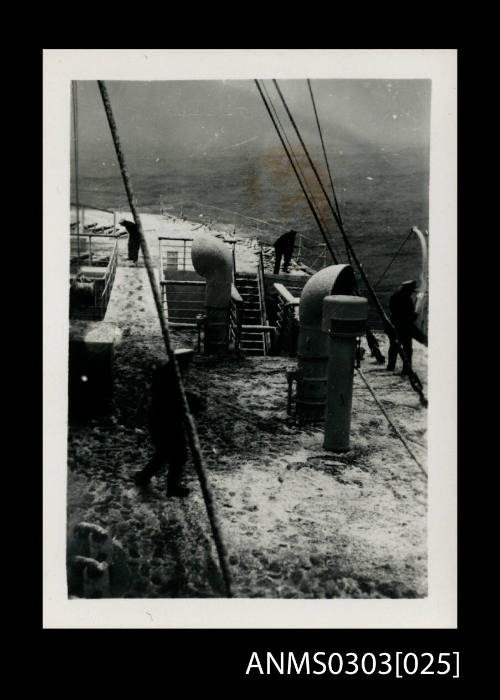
(283, 248)
(166, 425)
(134, 239)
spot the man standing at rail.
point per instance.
(134, 239)
(166, 425)
(403, 317)
(283, 248)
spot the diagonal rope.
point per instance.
(304, 180)
(191, 431)
(295, 157)
(313, 211)
(371, 339)
(306, 151)
(398, 433)
(393, 259)
(320, 131)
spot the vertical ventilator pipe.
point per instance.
(312, 344)
(422, 296)
(212, 259)
(344, 318)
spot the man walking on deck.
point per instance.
(403, 317)
(283, 248)
(134, 239)
(166, 426)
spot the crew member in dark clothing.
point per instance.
(403, 317)
(166, 426)
(283, 248)
(134, 239)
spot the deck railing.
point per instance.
(287, 321)
(100, 285)
(175, 257)
(262, 295)
(109, 278)
(235, 318)
(236, 308)
(92, 248)
(175, 254)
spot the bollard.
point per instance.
(344, 317)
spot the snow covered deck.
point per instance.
(298, 522)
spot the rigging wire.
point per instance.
(306, 151)
(390, 330)
(320, 131)
(371, 339)
(191, 431)
(323, 233)
(296, 159)
(393, 259)
(398, 433)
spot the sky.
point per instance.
(191, 119)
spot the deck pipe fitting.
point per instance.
(212, 260)
(312, 344)
(344, 319)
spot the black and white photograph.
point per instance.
(249, 338)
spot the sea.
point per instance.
(381, 194)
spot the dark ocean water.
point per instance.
(382, 194)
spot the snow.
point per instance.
(297, 521)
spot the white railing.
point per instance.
(286, 320)
(174, 254)
(262, 295)
(101, 285)
(235, 318)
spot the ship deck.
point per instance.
(298, 522)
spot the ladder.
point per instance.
(251, 342)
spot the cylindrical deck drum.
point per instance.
(312, 344)
(312, 352)
(345, 319)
